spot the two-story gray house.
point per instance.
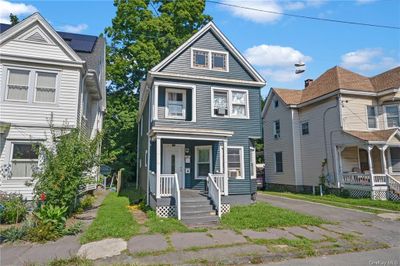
(199, 116)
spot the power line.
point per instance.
(306, 17)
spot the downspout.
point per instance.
(324, 127)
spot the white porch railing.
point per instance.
(176, 193)
(214, 193)
(220, 180)
(379, 180)
(166, 185)
(356, 179)
(393, 184)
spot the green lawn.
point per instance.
(260, 216)
(164, 225)
(361, 204)
(113, 220)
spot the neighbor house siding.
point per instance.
(354, 112)
(182, 64)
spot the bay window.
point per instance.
(18, 85)
(235, 162)
(203, 162)
(392, 116)
(175, 104)
(229, 103)
(24, 158)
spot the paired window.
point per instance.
(19, 84)
(235, 162)
(175, 104)
(24, 158)
(212, 60)
(304, 128)
(230, 103)
(203, 161)
(392, 116)
(372, 116)
(277, 129)
(253, 167)
(278, 162)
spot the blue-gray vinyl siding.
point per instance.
(182, 63)
(142, 149)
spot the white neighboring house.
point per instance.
(45, 73)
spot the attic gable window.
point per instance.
(219, 61)
(209, 59)
(200, 59)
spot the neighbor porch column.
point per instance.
(371, 170)
(158, 166)
(383, 159)
(226, 167)
(338, 163)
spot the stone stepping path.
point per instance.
(147, 243)
(269, 234)
(101, 249)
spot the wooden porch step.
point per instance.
(197, 208)
(203, 220)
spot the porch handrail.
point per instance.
(356, 179)
(378, 179)
(176, 193)
(166, 184)
(393, 183)
(214, 193)
(220, 181)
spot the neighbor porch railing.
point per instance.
(356, 179)
(214, 193)
(393, 184)
(379, 180)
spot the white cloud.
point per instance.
(276, 62)
(17, 9)
(363, 2)
(294, 5)
(253, 15)
(73, 28)
(368, 59)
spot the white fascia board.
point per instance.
(38, 60)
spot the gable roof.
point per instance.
(338, 78)
(221, 37)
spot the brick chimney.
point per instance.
(307, 82)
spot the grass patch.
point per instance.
(163, 225)
(113, 220)
(303, 245)
(360, 204)
(133, 194)
(260, 216)
(74, 261)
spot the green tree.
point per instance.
(143, 32)
(13, 19)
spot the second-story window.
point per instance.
(18, 85)
(371, 112)
(230, 103)
(221, 103)
(305, 128)
(175, 104)
(392, 116)
(277, 129)
(45, 87)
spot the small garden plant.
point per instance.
(12, 208)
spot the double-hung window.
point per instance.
(230, 103)
(24, 158)
(235, 162)
(305, 128)
(278, 162)
(277, 129)
(211, 60)
(392, 116)
(253, 167)
(372, 117)
(175, 104)
(18, 85)
(45, 87)
(203, 161)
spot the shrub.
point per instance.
(54, 215)
(86, 202)
(13, 208)
(43, 232)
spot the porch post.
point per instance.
(158, 166)
(226, 167)
(371, 170)
(383, 159)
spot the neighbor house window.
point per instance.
(200, 59)
(253, 167)
(203, 161)
(395, 159)
(304, 128)
(371, 113)
(276, 104)
(45, 87)
(278, 162)
(219, 61)
(24, 158)
(277, 129)
(392, 116)
(175, 104)
(18, 85)
(235, 162)
(230, 103)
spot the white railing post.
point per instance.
(226, 167)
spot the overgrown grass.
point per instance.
(260, 216)
(133, 194)
(113, 220)
(361, 204)
(74, 261)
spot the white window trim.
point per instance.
(274, 129)
(376, 117)
(197, 148)
(183, 92)
(398, 111)
(11, 160)
(242, 176)
(301, 128)
(55, 89)
(229, 96)
(253, 158)
(210, 52)
(275, 170)
(8, 80)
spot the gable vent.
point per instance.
(36, 37)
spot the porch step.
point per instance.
(205, 221)
(197, 208)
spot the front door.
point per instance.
(173, 161)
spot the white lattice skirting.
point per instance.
(225, 208)
(393, 196)
(355, 193)
(166, 211)
(379, 195)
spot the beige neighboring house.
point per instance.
(342, 125)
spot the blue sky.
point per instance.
(272, 43)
